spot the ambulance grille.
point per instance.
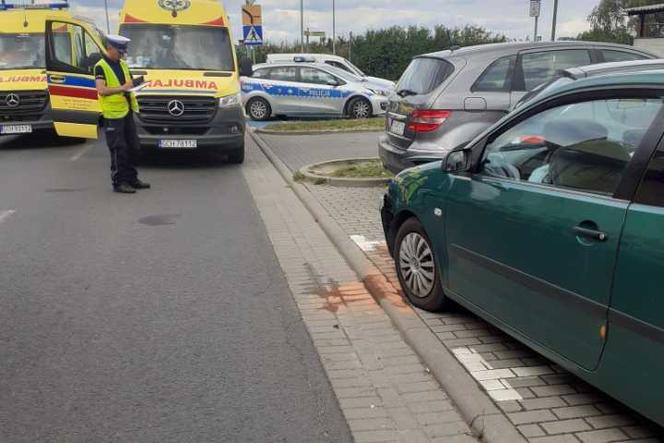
(29, 102)
(155, 109)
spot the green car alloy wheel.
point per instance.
(416, 267)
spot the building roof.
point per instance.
(641, 10)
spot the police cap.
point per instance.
(118, 42)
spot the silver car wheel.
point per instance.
(416, 265)
(258, 110)
(361, 109)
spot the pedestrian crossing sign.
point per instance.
(253, 35)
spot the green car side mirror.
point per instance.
(456, 161)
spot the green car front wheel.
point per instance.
(417, 267)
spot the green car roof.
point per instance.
(653, 78)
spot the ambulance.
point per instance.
(184, 50)
(24, 103)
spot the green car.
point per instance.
(550, 225)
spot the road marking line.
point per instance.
(84, 150)
(364, 244)
(4, 215)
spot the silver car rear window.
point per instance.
(424, 74)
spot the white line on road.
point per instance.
(84, 150)
(364, 244)
(4, 215)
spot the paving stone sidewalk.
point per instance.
(384, 390)
(544, 402)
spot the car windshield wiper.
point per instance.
(406, 92)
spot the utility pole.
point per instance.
(350, 47)
(334, 27)
(301, 25)
(108, 21)
(555, 18)
(307, 33)
(536, 25)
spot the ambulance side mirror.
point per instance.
(246, 67)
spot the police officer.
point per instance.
(118, 105)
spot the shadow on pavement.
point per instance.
(38, 140)
(183, 160)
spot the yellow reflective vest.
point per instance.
(117, 105)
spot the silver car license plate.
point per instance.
(178, 144)
(397, 127)
(16, 129)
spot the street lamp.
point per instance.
(301, 25)
(334, 27)
(555, 19)
(108, 21)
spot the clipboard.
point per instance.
(139, 87)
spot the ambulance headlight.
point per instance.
(230, 101)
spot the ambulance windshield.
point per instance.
(179, 47)
(21, 51)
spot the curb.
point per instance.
(342, 181)
(322, 132)
(476, 407)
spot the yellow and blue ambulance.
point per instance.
(184, 49)
(24, 100)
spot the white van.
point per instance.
(332, 60)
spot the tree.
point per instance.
(387, 52)
(608, 21)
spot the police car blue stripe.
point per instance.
(293, 91)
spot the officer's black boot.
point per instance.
(124, 188)
(140, 185)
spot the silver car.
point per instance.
(445, 99)
(305, 90)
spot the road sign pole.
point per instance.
(334, 28)
(535, 10)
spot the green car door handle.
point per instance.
(592, 234)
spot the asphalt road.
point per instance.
(161, 316)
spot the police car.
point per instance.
(294, 89)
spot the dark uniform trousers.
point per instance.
(124, 145)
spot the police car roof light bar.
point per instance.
(4, 6)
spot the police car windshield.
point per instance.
(22, 51)
(344, 74)
(179, 47)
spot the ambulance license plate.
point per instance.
(16, 129)
(397, 127)
(178, 144)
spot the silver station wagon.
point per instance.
(298, 90)
(443, 100)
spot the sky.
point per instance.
(281, 18)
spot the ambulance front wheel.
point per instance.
(259, 109)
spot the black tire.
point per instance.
(432, 300)
(236, 157)
(359, 108)
(259, 109)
